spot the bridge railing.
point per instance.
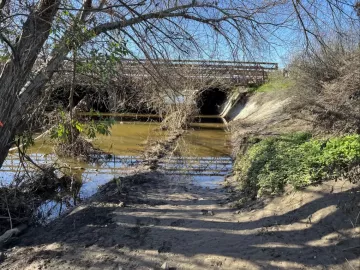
(234, 71)
(238, 72)
(203, 63)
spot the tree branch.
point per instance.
(2, 4)
(12, 48)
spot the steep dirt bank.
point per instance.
(267, 113)
(172, 222)
(263, 114)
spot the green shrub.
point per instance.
(296, 159)
(61, 132)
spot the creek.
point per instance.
(202, 154)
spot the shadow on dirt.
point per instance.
(146, 223)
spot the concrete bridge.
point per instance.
(139, 78)
(231, 72)
(227, 72)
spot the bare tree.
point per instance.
(36, 36)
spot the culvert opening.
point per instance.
(125, 100)
(211, 101)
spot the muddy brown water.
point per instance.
(202, 154)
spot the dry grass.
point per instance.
(328, 91)
(20, 200)
(80, 149)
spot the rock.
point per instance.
(121, 204)
(165, 266)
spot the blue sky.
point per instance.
(279, 42)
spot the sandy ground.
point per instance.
(172, 224)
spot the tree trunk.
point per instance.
(9, 83)
(17, 96)
(6, 136)
(17, 89)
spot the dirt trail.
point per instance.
(188, 227)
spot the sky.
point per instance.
(279, 43)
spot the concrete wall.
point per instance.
(255, 107)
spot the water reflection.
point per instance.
(202, 153)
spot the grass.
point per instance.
(276, 82)
(297, 160)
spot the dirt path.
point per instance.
(172, 224)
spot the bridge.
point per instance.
(233, 72)
(152, 79)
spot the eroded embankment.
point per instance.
(276, 153)
(273, 149)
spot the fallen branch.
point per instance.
(38, 137)
(161, 149)
(345, 249)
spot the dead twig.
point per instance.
(349, 264)
(350, 248)
(8, 210)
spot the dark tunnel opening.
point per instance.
(211, 101)
(97, 100)
(60, 98)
